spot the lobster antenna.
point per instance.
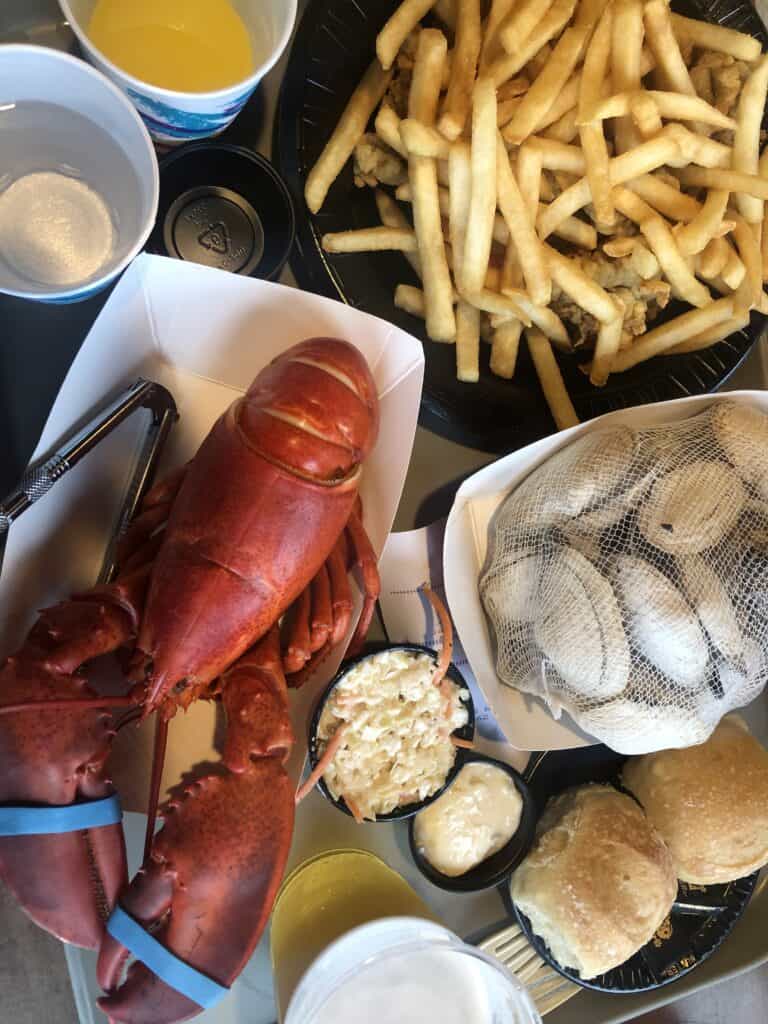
(68, 704)
(158, 761)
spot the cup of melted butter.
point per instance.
(478, 831)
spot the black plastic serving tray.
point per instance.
(334, 44)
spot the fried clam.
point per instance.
(635, 726)
(692, 508)
(742, 433)
(662, 625)
(579, 630)
(712, 603)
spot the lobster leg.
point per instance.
(67, 883)
(364, 557)
(209, 885)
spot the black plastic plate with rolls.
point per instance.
(702, 917)
(334, 44)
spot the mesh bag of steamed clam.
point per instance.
(627, 578)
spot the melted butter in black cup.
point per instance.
(226, 207)
(500, 865)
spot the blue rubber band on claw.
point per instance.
(46, 821)
(174, 972)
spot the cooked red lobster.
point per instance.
(233, 583)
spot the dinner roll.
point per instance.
(598, 882)
(710, 803)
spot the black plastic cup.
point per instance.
(224, 206)
(466, 732)
(500, 865)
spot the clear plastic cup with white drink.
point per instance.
(406, 970)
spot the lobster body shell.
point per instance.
(262, 505)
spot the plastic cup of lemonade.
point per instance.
(179, 114)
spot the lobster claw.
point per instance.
(207, 891)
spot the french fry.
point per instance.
(697, 149)
(387, 127)
(713, 259)
(482, 209)
(673, 332)
(422, 140)
(545, 89)
(664, 247)
(635, 162)
(511, 273)
(529, 179)
(746, 141)
(550, 26)
(411, 300)
(593, 80)
(529, 313)
(467, 341)
(504, 306)
(670, 65)
(565, 130)
(504, 348)
(711, 336)
(500, 231)
(586, 293)
(672, 105)
(730, 181)
(749, 251)
(491, 42)
(466, 53)
(557, 156)
(521, 230)
(422, 106)
(577, 232)
(346, 135)
(716, 37)
(645, 114)
(606, 347)
(734, 271)
(626, 47)
(551, 380)
(763, 171)
(398, 27)
(566, 99)
(370, 240)
(517, 27)
(390, 214)
(505, 110)
(694, 236)
(670, 201)
(644, 262)
(460, 178)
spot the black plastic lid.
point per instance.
(223, 206)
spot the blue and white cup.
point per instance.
(176, 117)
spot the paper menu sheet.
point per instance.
(410, 560)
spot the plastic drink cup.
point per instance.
(351, 941)
(77, 172)
(404, 970)
(174, 117)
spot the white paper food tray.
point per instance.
(204, 334)
(526, 720)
